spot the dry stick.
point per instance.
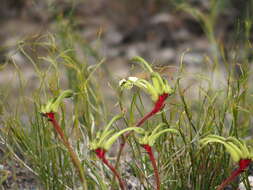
(75, 160)
(101, 154)
(159, 105)
(152, 159)
(243, 164)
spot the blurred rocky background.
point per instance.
(156, 29)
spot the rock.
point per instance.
(165, 55)
(112, 36)
(193, 58)
(242, 186)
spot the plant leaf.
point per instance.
(113, 138)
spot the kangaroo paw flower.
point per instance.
(147, 140)
(158, 88)
(238, 150)
(104, 140)
(48, 110)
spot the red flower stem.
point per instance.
(243, 164)
(75, 160)
(51, 117)
(101, 155)
(159, 105)
(152, 159)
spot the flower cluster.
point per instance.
(157, 88)
(239, 151)
(236, 147)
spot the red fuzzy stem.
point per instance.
(51, 117)
(230, 178)
(157, 107)
(75, 160)
(243, 164)
(101, 155)
(152, 159)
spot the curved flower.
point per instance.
(158, 89)
(54, 103)
(104, 140)
(238, 150)
(148, 138)
(236, 147)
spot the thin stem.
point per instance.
(153, 161)
(144, 62)
(243, 164)
(122, 144)
(187, 111)
(75, 160)
(101, 155)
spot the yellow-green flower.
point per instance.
(158, 87)
(54, 103)
(105, 138)
(235, 147)
(238, 150)
(149, 138)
